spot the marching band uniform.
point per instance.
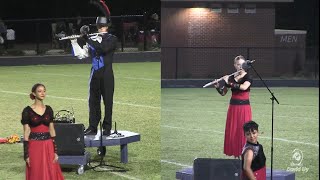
(101, 82)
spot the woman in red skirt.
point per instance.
(253, 158)
(40, 152)
(239, 110)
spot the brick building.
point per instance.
(201, 38)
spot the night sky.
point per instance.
(67, 8)
(301, 14)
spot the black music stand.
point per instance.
(273, 98)
(101, 152)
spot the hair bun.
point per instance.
(32, 96)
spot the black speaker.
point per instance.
(216, 169)
(69, 139)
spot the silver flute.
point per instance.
(217, 80)
(78, 36)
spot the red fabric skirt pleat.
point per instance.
(260, 174)
(234, 138)
(41, 155)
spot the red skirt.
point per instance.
(41, 156)
(259, 174)
(234, 138)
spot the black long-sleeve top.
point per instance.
(102, 52)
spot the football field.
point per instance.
(182, 125)
(136, 109)
(193, 122)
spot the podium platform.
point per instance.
(187, 174)
(81, 161)
(128, 137)
(92, 141)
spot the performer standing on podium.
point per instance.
(239, 110)
(101, 83)
(101, 48)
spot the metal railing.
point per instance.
(40, 36)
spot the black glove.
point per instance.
(235, 85)
(221, 87)
(84, 30)
(54, 145)
(25, 150)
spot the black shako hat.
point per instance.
(101, 21)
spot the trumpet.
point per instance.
(217, 80)
(78, 36)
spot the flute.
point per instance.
(78, 36)
(217, 80)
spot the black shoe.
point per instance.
(106, 132)
(90, 131)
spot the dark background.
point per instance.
(67, 8)
(299, 15)
(18, 15)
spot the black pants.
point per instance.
(101, 83)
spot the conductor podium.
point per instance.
(71, 144)
(123, 141)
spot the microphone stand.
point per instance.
(273, 98)
(102, 150)
(115, 131)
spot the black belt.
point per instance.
(239, 102)
(39, 136)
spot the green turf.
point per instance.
(136, 108)
(193, 122)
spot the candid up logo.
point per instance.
(296, 164)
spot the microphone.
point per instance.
(247, 64)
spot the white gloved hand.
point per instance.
(79, 52)
(73, 41)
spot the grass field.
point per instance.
(136, 108)
(193, 122)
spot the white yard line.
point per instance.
(124, 175)
(201, 130)
(85, 76)
(175, 163)
(263, 137)
(224, 111)
(79, 99)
